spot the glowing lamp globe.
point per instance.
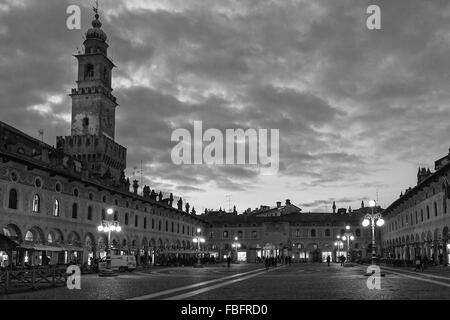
(198, 230)
(380, 222)
(110, 211)
(352, 238)
(202, 240)
(106, 229)
(365, 222)
(195, 240)
(112, 228)
(372, 203)
(338, 237)
(118, 228)
(347, 227)
(100, 228)
(344, 238)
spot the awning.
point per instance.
(6, 243)
(39, 247)
(68, 247)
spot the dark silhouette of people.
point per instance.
(228, 261)
(418, 264)
(328, 260)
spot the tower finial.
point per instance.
(96, 10)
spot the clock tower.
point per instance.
(94, 109)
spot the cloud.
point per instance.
(356, 109)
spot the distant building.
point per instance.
(278, 210)
(302, 236)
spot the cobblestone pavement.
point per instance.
(253, 282)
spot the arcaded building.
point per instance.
(417, 222)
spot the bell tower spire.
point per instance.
(94, 107)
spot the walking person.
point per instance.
(418, 264)
(228, 261)
(328, 260)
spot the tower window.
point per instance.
(86, 122)
(89, 71)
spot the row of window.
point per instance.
(410, 219)
(36, 208)
(312, 233)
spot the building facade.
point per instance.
(305, 237)
(417, 223)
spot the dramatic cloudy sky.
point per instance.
(358, 110)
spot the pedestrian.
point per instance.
(418, 264)
(328, 260)
(424, 262)
(228, 261)
(266, 261)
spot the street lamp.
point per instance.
(198, 240)
(349, 237)
(236, 245)
(109, 226)
(340, 246)
(372, 219)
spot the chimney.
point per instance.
(278, 204)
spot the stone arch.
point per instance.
(152, 243)
(160, 243)
(183, 245)
(125, 243)
(115, 242)
(144, 242)
(436, 235)
(74, 238)
(101, 242)
(135, 242)
(89, 242)
(417, 238)
(13, 232)
(445, 233)
(178, 245)
(59, 235)
(38, 235)
(429, 236)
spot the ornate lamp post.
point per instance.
(349, 237)
(372, 219)
(198, 240)
(109, 226)
(236, 245)
(340, 245)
